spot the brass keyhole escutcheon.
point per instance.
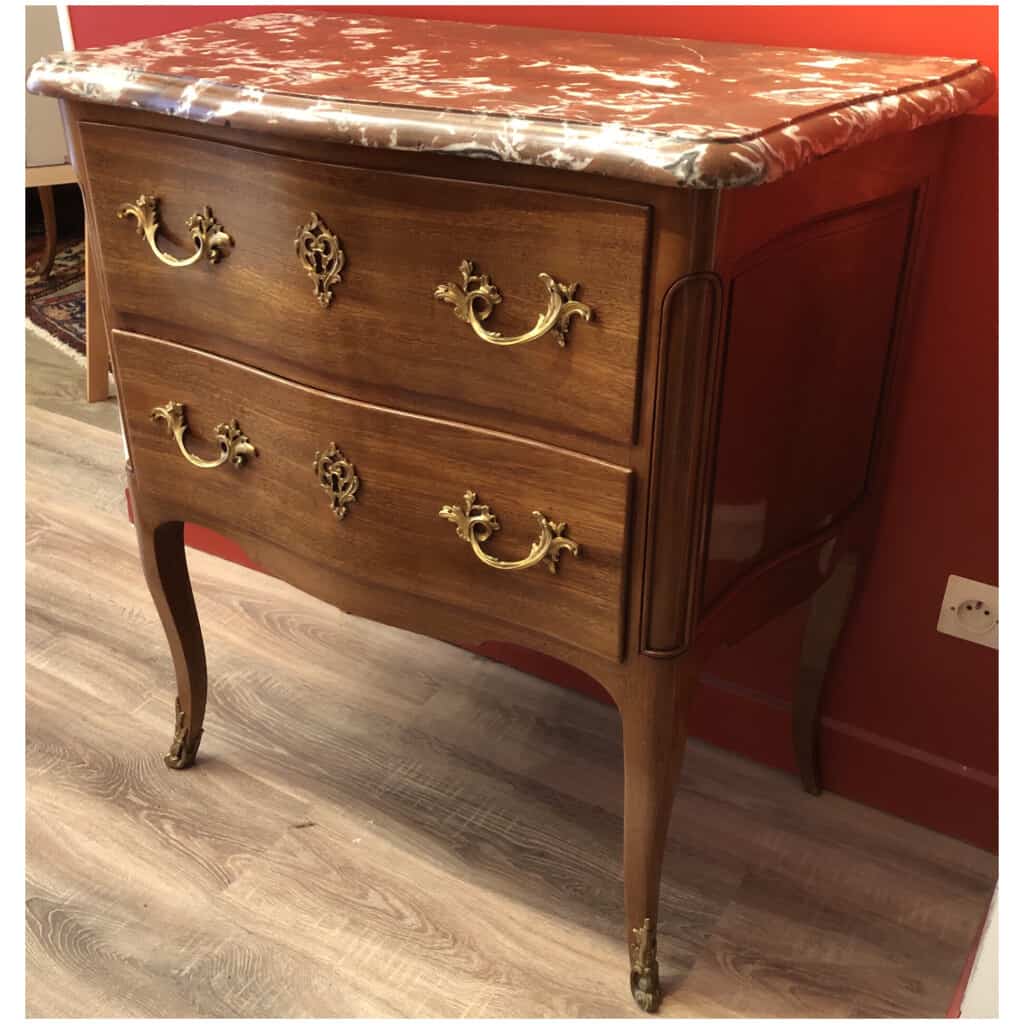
(338, 478)
(321, 255)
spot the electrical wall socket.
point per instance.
(970, 610)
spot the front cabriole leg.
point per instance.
(654, 707)
(162, 550)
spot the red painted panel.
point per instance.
(895, 674)
(895, 678)
(861, 766)
(107, 26)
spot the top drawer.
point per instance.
(384, 335)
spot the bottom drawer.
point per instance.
(360, 489)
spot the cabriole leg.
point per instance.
(162, 549)
(829, 609)
(653, 737)
(45, 264)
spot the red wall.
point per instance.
(910, 716)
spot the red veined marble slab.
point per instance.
(668, 111)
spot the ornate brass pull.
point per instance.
(207, 234)
(475, 299)
(234, 445)
(475, 523)
(337, 477)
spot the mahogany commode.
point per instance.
(496, 344)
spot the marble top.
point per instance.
(667, 111)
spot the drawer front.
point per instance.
(382, 334)
(359, 489)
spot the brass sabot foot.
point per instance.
(643, 975)
(646, 989)
(184, 746)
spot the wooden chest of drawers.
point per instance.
(588, 396)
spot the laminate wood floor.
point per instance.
(383, 825)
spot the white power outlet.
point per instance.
(970, 610)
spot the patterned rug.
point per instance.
(55, 307)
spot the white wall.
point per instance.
(982, 996)
(44, 132)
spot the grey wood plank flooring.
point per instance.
(383, 825)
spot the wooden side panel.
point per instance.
(675, 527)
(811, 322)
(384, 337)
(408, 466)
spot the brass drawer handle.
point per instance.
(475, 523)
(337, 477)
(234, 445)
(207, 234)
(475, 299)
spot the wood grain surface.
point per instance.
(402, 235)
(383, 825)
(409, 467)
